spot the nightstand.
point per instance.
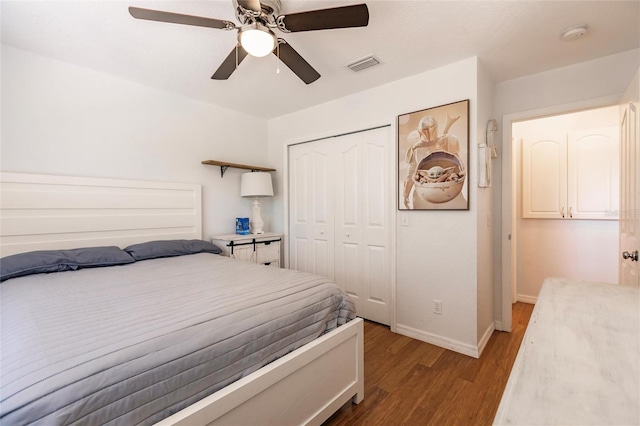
(258, 248)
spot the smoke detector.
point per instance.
(574, 33)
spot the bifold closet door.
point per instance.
(311, 209)
(363, 221)
(341, 224)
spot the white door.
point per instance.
(340, 216)
(363, 221)
(311, 209)
(629, 198)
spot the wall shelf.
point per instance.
(224, 165)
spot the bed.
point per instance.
(302, 381)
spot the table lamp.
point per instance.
(256, 184)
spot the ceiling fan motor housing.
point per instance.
(269, 11)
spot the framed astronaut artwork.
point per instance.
(433, 158)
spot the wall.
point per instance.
(583, 83)
(437, 253)
(61, 119)
(485, 322)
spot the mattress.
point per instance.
(133, 344)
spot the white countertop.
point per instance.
(579, 360)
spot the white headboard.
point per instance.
(41, 212)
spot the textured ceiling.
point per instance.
(511, 38)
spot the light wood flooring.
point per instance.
(409, 382)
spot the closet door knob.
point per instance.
(321, 232)
(348, 235)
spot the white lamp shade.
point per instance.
(256, 184)
(257, 41)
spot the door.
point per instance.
(363, 221)
(311, 209)
(629, 199)
(340, 216)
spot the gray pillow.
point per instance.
(170, 248)
(43, 261)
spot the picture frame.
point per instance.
(433, 158)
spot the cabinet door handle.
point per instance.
(570, 212)
(348, 235)
(562, 211)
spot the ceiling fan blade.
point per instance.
(295, 62)
(325, 19)
(176, 18)
(228, 66)
(251, 5)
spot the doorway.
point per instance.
(507, 239)
(566, 191)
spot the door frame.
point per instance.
(394, 212)
(508, 246)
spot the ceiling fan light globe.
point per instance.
(257, 41)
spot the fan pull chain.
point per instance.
(237, 56)
(277, 57)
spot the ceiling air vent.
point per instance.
(363, 64)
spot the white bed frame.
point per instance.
(39, 212)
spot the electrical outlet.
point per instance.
(404, 220)
(437, 307)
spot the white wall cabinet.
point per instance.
(340, 201)
(571, 175)
(259, 248)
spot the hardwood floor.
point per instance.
(409, 382)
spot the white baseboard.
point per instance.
(485, 338)
(526, 299)
(434, 339)
(498, 325)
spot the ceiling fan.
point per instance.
(258, 19)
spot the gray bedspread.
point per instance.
(136, 343)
